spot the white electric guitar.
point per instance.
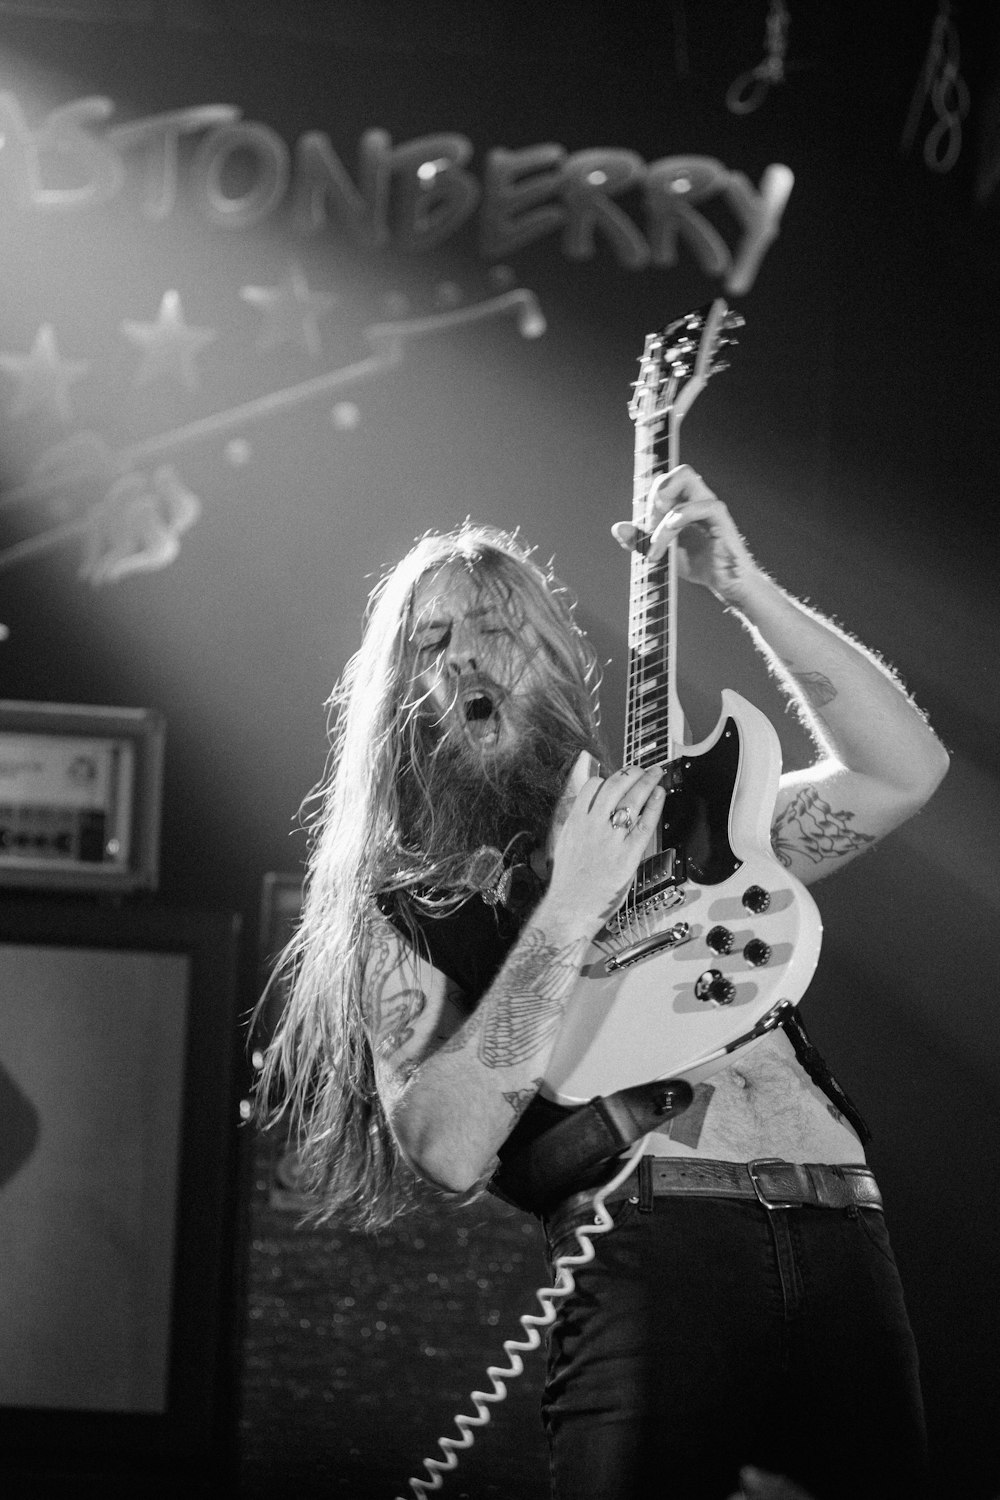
(716, 940)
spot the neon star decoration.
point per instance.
(43, 377)
(292, 312)
(169, 346)
(136, 524)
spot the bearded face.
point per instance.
(489, 758)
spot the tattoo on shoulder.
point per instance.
(528, 1000)
(391, 1012)
(809, 826)
(395, 1017)
(378, 963)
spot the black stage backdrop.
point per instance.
(249, 351)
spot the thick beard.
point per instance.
(466, 798)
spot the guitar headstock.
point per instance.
(677, 363)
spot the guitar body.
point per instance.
(714, 936)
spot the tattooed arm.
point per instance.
(877, 759)
(454, 1085)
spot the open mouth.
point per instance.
(478, 710)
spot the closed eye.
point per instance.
(433, 644)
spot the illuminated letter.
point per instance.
(516, 183)
(761, 214)
(673, 184)
(17, 162)
(320, 177)
(590, 180)
(66, 136)
(435, 195)
(159, 133)
(270, 156)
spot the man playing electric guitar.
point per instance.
(736, 1314)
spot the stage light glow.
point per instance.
(346, 416)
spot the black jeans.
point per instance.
(711, 1333)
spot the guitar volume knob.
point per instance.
(756, 899)
(720, 940)
(757, 952)
(713, 985)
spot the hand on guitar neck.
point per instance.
(710, 550)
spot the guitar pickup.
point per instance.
(660, 872)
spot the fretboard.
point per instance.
(652, 711)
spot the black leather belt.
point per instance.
(770, 1181)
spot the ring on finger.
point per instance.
(622, 818)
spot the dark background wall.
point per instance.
(853, 437)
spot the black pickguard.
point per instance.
(700, 790)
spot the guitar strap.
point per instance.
(812, 1060)
(582, 1150)
(554, 1151)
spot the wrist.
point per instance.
(749, 593)
(563, 920)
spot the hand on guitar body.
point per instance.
(593, 860)
(710, 550)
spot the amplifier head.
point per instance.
(80, 796)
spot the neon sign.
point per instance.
(410, 196)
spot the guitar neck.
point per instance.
(653, 719)
(674, 367)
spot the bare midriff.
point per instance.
(761, 1105)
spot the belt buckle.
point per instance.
(769, 1203)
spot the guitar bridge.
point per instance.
(671, 937)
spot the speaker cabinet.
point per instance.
(121, 1198)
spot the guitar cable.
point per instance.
(549, 1298)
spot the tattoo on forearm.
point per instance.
(816, 688)
(519, 1099)
(809, 826)
(686, 1128)
(528, 1000)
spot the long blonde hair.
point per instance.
(318, 1074)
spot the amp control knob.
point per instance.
(756, 899)
(756, 952)
(712, 985)
(720, 940)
